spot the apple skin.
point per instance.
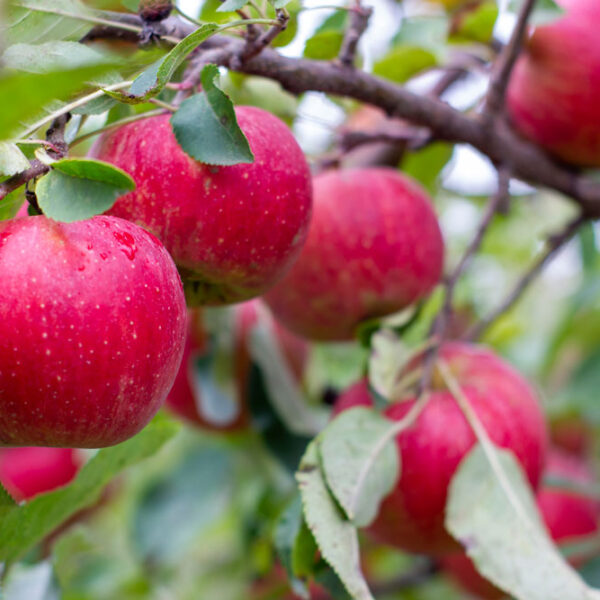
(412, 516)
(374, 247)
(567, 517)
(552, 97)
(232, 231)
(29, 471)
(184, 400)
(92, 327)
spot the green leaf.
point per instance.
(23, 94)
(53, 56)
(426, 165)
(77, 189)
(286, 446)
(189, 498)
(336, 536)
(283, 389)
(544, 11)
(279, 3)
(324, 46)
(403, 62)
(10, 204)
(476, 25)
(40, 21)
(24, 526)
(232, 5)
(206, 127)
(425, 32)
(389, 355)
(360, 467)
(493, 513)
(327, 40)
(295, 545)
(12, 160)
(153, 80)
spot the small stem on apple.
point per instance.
(505, 63)
(553, 244)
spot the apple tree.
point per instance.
(299, 300)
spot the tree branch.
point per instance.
(359, 20)
(505, 63)
(554, 243)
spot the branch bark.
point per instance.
(505, 63)
(523, 159)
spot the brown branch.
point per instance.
(57, 149)
(411, 136)
(497, 141)
(257, 45)
(505, 63)
(554, 243)
(442, 320)
(525, 160)
(359, 20)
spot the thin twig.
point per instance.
(115, 124)
(359, 20)
(505, 63)
(57, 148)
(440, 325)
(554, 243)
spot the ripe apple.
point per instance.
(29, 471)
(232, 231)
(567, 515)
(412, 516)
(185, 398)
(373, 248)
(92, 330)
(552, 96)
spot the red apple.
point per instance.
(553, 93)
(374, 247)
(412, 516)
(232, 231)
(185, 398)
(567, 515)
(27, 472)
(91, 331)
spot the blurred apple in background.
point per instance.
(552, 97)
(27, 472)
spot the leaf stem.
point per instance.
(115, 124)
(75, 104)
(397, 428)
(482, 437)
